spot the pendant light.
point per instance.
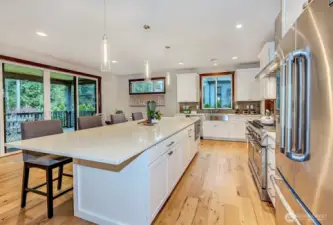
(147, 70)
(146, 62)
(168, 79)
(105, 48)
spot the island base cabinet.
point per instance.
(134, 192)
(112, 195)
(158, 184)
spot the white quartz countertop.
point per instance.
(111, 144)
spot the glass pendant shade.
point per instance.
(147, 71)
(105, 55)
(168, 78)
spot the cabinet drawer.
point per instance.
(159, 149)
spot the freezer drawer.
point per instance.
(289, 208)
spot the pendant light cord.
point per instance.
(105, 16)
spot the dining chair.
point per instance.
(87, 122)
(118, 118)
(137, 116)
(46, 162)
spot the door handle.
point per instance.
(305, 155)
(283, 106)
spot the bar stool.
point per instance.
(118, 118)
(43, 161)
(87, 122)
(137, 116)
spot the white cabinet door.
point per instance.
(209, 128)
(173, 167)
(187, 87)
(222, 129)
(237, 130)
(247, 88)
(268, 88)
(158, 184)
(291, 10)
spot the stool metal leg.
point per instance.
(25, 182)
(60, 172)
(49, 184)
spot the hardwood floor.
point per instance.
(216, 189)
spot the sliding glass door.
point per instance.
(87, 96)
(23, 99)
(31, 94)
(63, 100)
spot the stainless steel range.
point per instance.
(257, 149)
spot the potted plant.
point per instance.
(153, 115)
(119, 111)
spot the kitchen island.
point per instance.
(123, 173)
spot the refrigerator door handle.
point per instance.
(291, 213)
(305, 155)
(283, 106)
(289, 105)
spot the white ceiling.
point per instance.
(196, 30)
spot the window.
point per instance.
(217, 90)
(140, 86)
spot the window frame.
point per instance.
(130, 81)
(218, 74)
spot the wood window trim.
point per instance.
(203, 75)
(146, 93)
(54, 68)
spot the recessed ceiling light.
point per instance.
(114, 61)
(215, 64)
(42, 34)
(238, 26)
(235, 57)
(181, 63)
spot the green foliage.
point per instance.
(32, 96)
(207, 106)
(119, 111)
(157, 115)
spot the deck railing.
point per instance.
(14, 120)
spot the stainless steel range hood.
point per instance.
(269, 70)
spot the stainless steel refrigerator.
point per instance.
(304, 154)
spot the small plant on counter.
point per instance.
(119, 111)
(152, 113)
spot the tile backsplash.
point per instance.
(242, 105)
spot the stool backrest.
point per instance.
(87, 122)
(137, 116)
(40, 128)
(35, 129)
(118, 118)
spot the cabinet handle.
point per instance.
(170, 153)
(270, 166)
(170, 144)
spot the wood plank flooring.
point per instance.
(216, 189)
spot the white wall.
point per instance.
(171, 106)
(122, 101)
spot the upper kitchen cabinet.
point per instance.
(188, 87)
(291, 10)
(267, 54)
(268, 88)
(247, 88)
